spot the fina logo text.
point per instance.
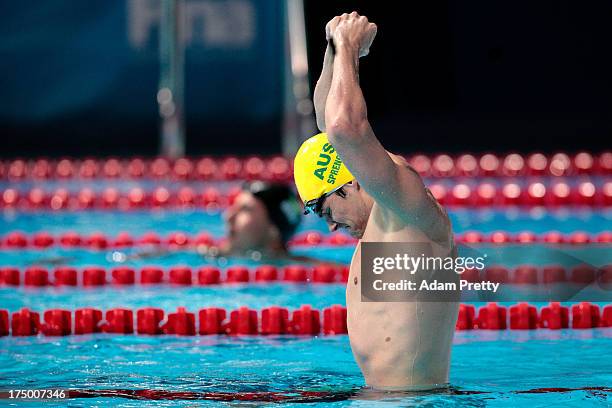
(324, 159)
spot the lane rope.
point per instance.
(279, 321)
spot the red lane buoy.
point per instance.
(497, 274)
(274, 320)
(183, 169)
(324, 274)
(65, 276)
(443, 166)
(209, 275)
(87, 321)
(9, 276)
(499, 237)
(553, 274)
(10, 197)
(560, 165)
(279, 169)
(559, 193)
(86, 198)
(150, 238)
(492, 317)
(64, 169)
(89, 169)
(151, 275)
(42, 239)
(523, 317)
(148, 320)
(421, 163)
(4, 323)
(305, 321)
(206, 169)
(16, 239)
(231, 168)
(486, 194)
(112, 168)
(584, 163)
(123, 240)
(513, 165)
(25, 323)
(243, 322)
(136, 168)
(526, 237)
(212, 321)
(160, 197)
(123, 275)
(186, 197)
(525, 275)
(255, 168)
(36, 276)
(94, 276)
(237, 274)
(159, 168)
(334, 320)
(585, 316)
(553, 237)
(119, 321)
(57, 322)
(467, 165)
(178, 239)
(180, 275)
(489, 165)
(70, 239)
(554, 316)
(465, 320)
(181, 323)
(97, 240)
(583, 274)
(295, 273)
(266, 273)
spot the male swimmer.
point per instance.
(398, 345)
(259, 223)
(261, 220)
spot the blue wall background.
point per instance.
(81, 76)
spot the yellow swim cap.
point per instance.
(318, 170)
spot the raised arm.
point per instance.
(325, 79)
(323, 84)
(392, 184)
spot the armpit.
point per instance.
(442, 231)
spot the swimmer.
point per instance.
(398, 345)
(259, 223)
(262, 219)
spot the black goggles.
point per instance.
(316, 204)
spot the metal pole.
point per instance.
(298, 123)
(171, 83)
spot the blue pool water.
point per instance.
(506, 369)
(138, 222)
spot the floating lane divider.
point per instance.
(178, 240)
(36, 276)
(279, 321)
(471, 193)
(280, 168)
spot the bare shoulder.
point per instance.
(438, 227)
(399, 160)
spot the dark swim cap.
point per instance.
(281, 204)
